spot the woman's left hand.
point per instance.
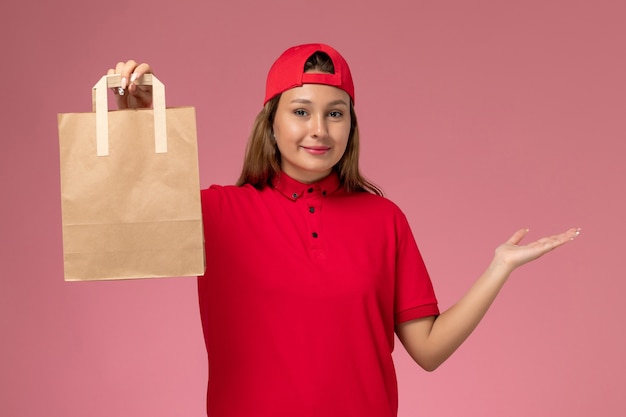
(512, 255)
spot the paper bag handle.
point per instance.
(100, 106)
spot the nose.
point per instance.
(318, 128)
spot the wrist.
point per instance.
(500, 268)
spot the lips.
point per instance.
(316, 150)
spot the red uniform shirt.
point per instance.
(303, 288)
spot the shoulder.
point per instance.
(373, 202)
(224, 191)
(372, 209)
(218, 198)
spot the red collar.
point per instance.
(293, 189)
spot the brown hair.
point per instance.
(262, 158)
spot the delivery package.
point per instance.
(130, 189)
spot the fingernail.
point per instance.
(133, 77)
(124, 82)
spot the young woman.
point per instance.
(310, 271)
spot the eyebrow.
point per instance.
(306, 101)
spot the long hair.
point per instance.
(262, 159)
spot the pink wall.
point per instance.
(476, 119)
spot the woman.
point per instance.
(310, 271)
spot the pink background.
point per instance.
(477, 118)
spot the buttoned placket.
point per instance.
(312, 200)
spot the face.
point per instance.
(311, 127)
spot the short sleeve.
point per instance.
(414, 294)
(212, 208)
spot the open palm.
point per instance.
(512, 254)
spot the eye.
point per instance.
(335, 114)
(300, 112)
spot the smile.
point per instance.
(316, 150)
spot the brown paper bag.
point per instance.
(130, 190)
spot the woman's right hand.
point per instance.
(131, 95)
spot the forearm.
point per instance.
(452, 327)
(430, 341)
